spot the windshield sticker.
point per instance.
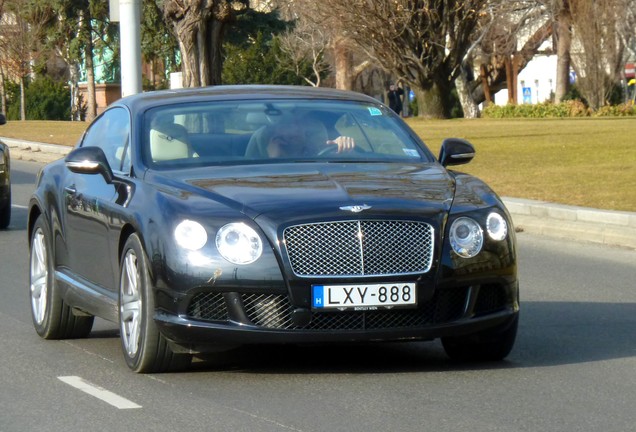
(375, 111)
(410, 152)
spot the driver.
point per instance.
(306, 137)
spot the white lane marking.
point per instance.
(98, 392)
(19, 206)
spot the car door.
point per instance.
(92, 206)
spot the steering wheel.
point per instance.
(333, 148)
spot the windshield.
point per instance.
(251, 132)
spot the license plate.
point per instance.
(364, 296)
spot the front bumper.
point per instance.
(231, 319)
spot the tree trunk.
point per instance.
(3, 94)
(76, 109)
(430, 103)
(189, 68)
(514, 67)
(469, 106)
(198, 26)
(22, 100)
(564, 41)
(343, 60)
(510, 79)
(485, 88)
(215, 57)
(91, 103)
(203, 55)
(201, 59)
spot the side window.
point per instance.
(111, 132)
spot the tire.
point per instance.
(145, 349)
(5, 214)
(491, 345)
(52, 318)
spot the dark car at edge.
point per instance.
(5, 182)
(202, 219)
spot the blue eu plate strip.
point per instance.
(318, 296)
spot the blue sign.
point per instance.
(527, 95)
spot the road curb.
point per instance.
(614, 228)
(36, 147)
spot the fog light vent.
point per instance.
(268, 310)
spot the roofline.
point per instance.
(239, 92)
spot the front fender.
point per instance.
(497, 259)
(178, 273)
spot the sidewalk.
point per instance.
(613, 228)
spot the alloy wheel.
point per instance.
(130, 304)
(39, 276)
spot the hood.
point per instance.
(282, 191)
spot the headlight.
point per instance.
(190, 235)
(239, 244)
(496, 226)
(466, 237)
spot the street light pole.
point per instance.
(130, 44)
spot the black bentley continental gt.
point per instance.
(5, 182)
(200, 219)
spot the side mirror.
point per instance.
(456, 151)
(3, 119)
(89, 160)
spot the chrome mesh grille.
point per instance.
(360, 248)
(208, 306)
(268, 310)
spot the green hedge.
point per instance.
(46, 99)
(570, 108)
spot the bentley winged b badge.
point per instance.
(356, 208)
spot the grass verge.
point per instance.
(584, 162)
(51, 132)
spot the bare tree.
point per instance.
(627, 28)
(307, 42)
(420, 42)
(199, 26)
(321, 29)
(62, 36)
(511, 34)
(598, 57)
(349, 62)
(21, 37)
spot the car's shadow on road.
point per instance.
(550, 334)
(557, 333)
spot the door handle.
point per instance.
(70, 190)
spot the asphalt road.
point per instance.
(572, 368)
